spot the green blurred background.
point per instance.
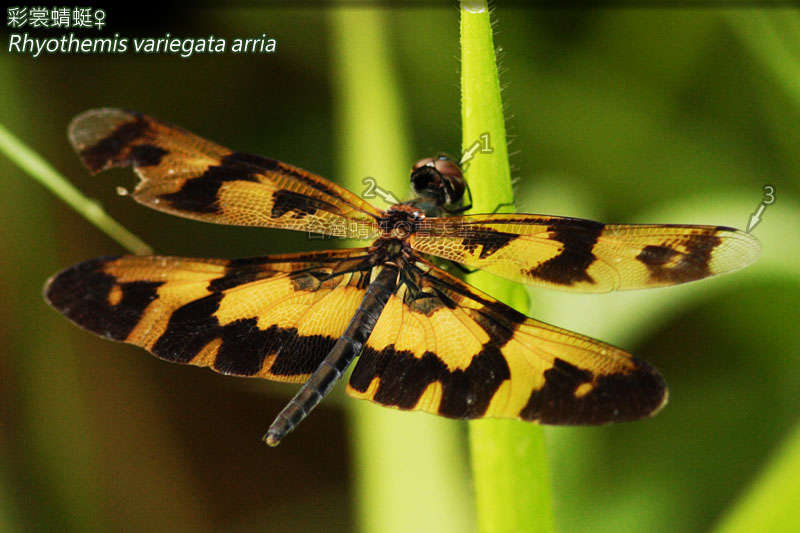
(620, 115)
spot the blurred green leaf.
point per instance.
(770, 504)
(409, 467)
(771, 36)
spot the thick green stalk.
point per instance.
(409, 469)
(508, 457)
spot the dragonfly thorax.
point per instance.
(400, 221)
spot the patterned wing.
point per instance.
(188, 176)
(582, 255)
(443, 347)
(271, 317)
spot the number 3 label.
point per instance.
(769, 195)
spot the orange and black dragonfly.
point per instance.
(425, 340)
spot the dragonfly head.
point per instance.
(438, 180)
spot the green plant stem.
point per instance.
(40, 170)
(408, 468)
(508, 457)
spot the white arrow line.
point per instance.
(755, 217)
(388, 197)
(470, 153)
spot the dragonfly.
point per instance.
(424, 339)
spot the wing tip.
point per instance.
(58, 287)
(571, 397)
(101, 135)
(659, 406)
(647, 391)
(738, 249)
(94, 300)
